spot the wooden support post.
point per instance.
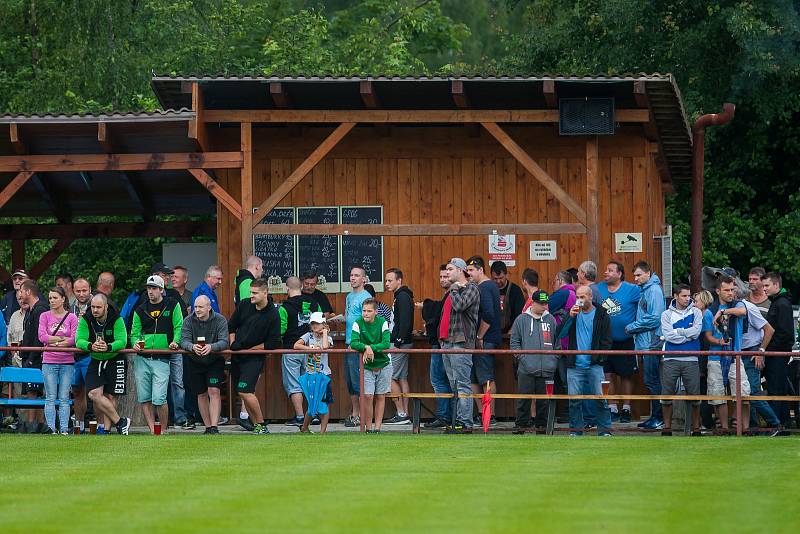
(247, 189)
(279, 96)
(104, 137)
(532, 167)
(17, 141)
(14, 186)
(549, 92)
(197, 126)
(219, 193)
(17, 254)
(50, 257)
(310, 162)
(592, 207)
(459, 95)
(368, 95)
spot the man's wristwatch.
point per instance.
(761, 349)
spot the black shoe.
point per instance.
(315, 421)
(211, 430)
(518, 430)
(541, 430)
(247, 424)
(398, 420)
(436, 423)
(352, 421)
(625, 416)
(666, 432)
(123, 426)
(297, 421)
(188, 425)
(697, 434)
(562, 419)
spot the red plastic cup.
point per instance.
(548, 387)
(157, 428)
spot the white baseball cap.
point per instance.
(317, 317)
(155, 281)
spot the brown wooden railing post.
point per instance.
(738, 362)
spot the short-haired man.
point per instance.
(512, 301)
(530, 285)
(253, 269)
(178, 279)
(36, 306)
(255, 324)
(204, 334)
(402, 338)
(620, 299)
(355, 298)
(211, 281)
(781, 319)
(82, 306)
(105, 285)
(432, 315)
(457, 330)
(9, 304)
(588, 328)
(759, 297)
(534, 330)
(295, 314)
(755, 339)
(728, 323)
(681, 324)
(65, 281)
(587, 276)
(646, 331)
(310, 280)
(102, 332)
(489, 335)
(156, 325)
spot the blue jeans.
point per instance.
(177, 392)
(352, 372)
(652, 381)
(57, 383)
(440, 385)
(587, 381)
(760, 407)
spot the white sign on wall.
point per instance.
(503, 248)
(544, 250)
(628, 242)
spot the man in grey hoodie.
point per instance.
(204, 334)
(534, 329)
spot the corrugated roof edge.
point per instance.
(387, 77)
(182, 114)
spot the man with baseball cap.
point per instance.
(9, 303)
(534, 329)
(156, 325)
(458, 330)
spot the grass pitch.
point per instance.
(395, 482)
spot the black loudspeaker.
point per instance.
(586, 116)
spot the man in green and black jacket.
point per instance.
(156, 325)
(103, 333)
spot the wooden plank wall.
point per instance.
(444, 175)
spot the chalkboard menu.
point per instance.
(276, 251)
(319, 253)
(366, 251)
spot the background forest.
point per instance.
(96, 56)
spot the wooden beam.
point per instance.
(14, 186)
(246, 178)
(50, 257)
(197, 126)
(592, 206)
(300, 172)
(419, 229)
(4, 274)
(126, 162)
(17, 252)
(218, 191)
(549, 92)
(17, 140)
(105, 138)
(459, 95)
(177, 229)
(279, 95)
(532, 167)
(368, 95)
(404, 116)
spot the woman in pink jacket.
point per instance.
(57, 329)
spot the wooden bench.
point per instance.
(21, 375)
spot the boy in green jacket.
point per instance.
(371, 337)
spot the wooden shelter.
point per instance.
(404, 172)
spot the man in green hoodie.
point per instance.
(156, 325)
(103, 333)
(253, 269)
(371, 337)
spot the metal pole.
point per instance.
(739, 397)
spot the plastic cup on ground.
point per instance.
(92, 427)
(157, 428)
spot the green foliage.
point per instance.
(739, 51)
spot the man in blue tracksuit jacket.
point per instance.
(646, 331)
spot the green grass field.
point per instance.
(349, 482)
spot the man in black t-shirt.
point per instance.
(309, 279)
(512, 300)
